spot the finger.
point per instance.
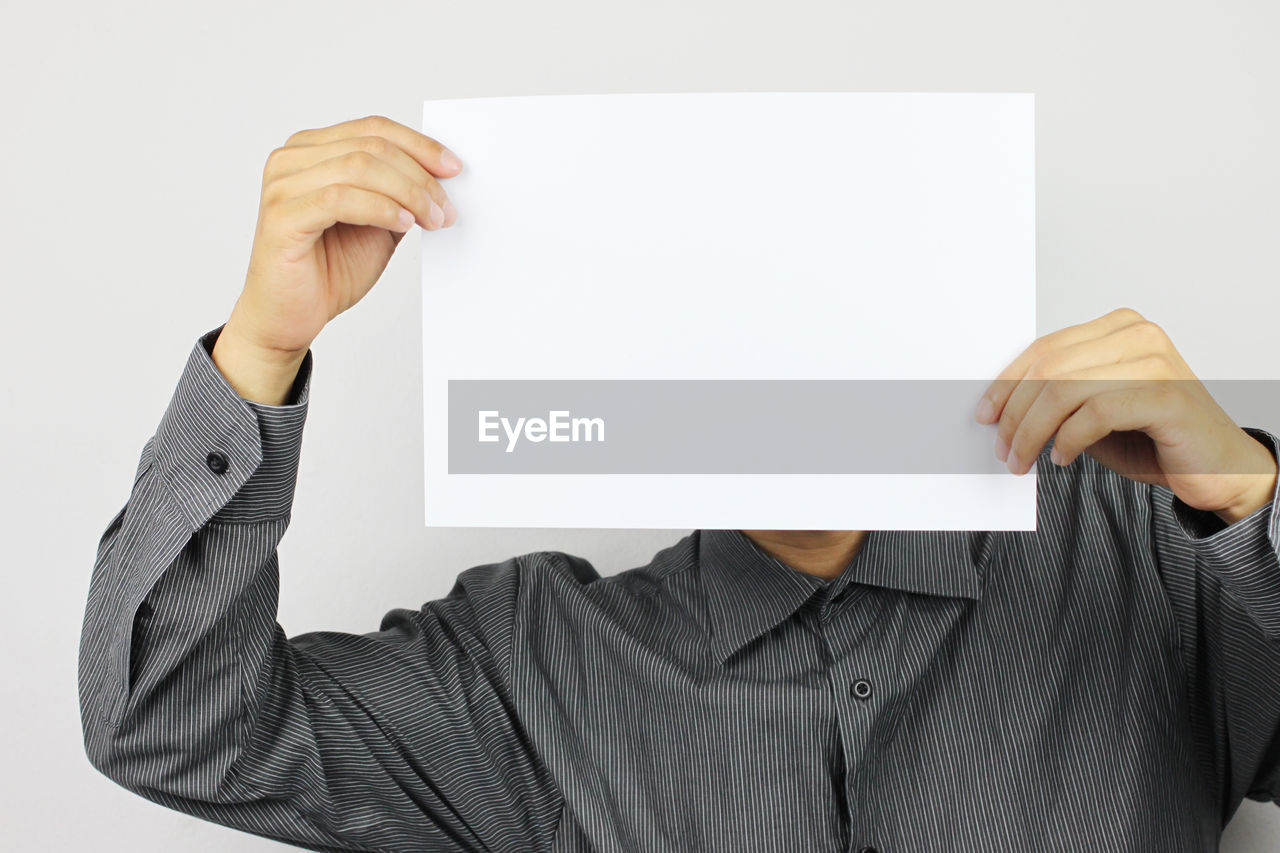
(1146, 409)
(363, 170)
(309, 215)
(1059, 398)
(284, 163)
(433, 155)
(1126, 343)
(998, 392)
(1131, 343)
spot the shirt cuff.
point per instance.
(1246, 554)
(225, 458)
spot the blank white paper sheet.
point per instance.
(727, 310)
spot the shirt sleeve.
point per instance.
(1223, 583)
(191, 695)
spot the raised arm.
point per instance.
(192, 697)
(191, 694)
(1223, 582)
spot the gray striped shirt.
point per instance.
(1109, 681)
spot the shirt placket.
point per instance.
(861, 678)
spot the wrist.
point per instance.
(1260, 493)
(257, 373)
(241, 327)
(1248, 505)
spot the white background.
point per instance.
(134, 137)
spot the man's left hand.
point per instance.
(1134, 405)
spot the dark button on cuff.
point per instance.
(862, 690)
(144, 610)
(867, 849)
(216, 461)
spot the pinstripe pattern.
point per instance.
(1110, 681)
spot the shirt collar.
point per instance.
(748, 591)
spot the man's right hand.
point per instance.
(336, 201)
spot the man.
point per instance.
(1111, 681)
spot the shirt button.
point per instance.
(144, 611)
(216, 461)
(862, 690)
(867, 849)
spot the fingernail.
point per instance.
(1002, 449)
(450, 160)
(1055, 455)
(436, 217)
(1015, 464)
(450, 212)
(985, 411)
(406, 219)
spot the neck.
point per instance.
(823, 553)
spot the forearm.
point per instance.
(181, 610)
(165, 667)
(1221, 580)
